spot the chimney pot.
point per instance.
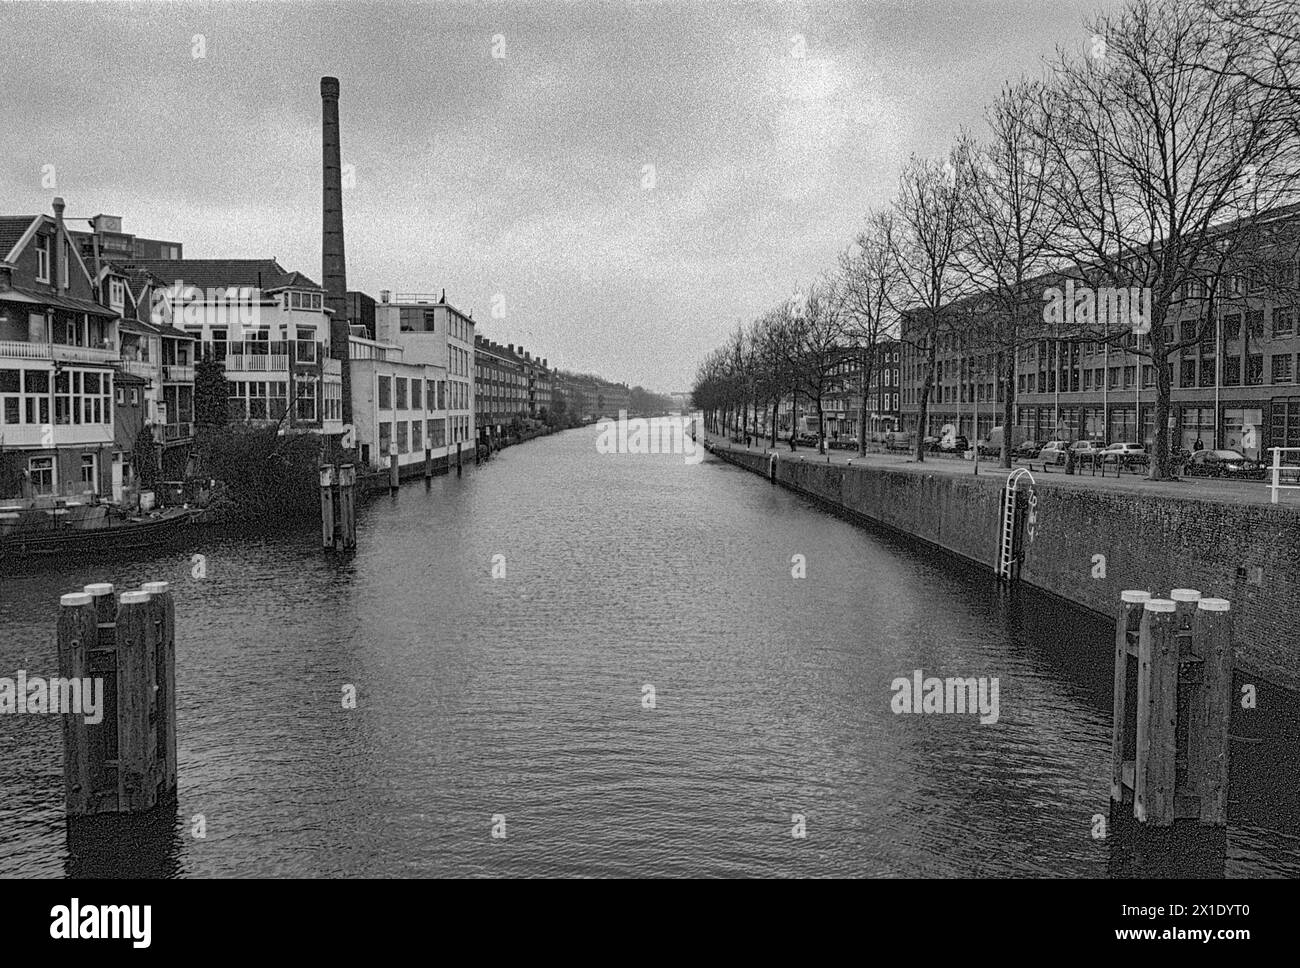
(58, 205)
(384, 295)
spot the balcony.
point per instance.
(177, 431)
(15, 349)
(257, 363)
(141, 368)
(178, 373)
(66, 353)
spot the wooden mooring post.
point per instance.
(458, 457)
(1173, 677)
(428, 464)
(126, 762)
(338, 506)
(348, 505)
(327, 505)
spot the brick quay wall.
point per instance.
(1246, 553)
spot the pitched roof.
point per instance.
(12, 228)
(265, 274)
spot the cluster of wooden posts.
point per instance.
(1173, 684)
(127, 761)
(338, 505)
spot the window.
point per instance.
(1231, 371)
(417, 444)
(88, 471)
(305, 399)
(385, 438)
(1207, 372)
(1255, 322)
(401, 393)
(437, 433)
(402, 444)
(1282, 369)
(1283, 322)
(416, 402)
(63, 264)
(1148, 375)
(1232, 326)
(305, 300)
(1187, 331)
(385, 393)
(1254, 370)
(41, 472)
(1187, 373)
(43, 258)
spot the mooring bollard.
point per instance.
(348, 504)
(126, 762)
(458, 443)
(428, 463)
(1169, 745)
(1126, 650)
(327, 505)
(394, 478)
(1157, 712)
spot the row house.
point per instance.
(267, 326)
(432, 332)
(842, 404)
(58, 351)
(157, 352)
(500, 388)
(537, 376)
(1235, 384)
(399, 408)
(590, 396)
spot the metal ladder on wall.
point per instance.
(1007, 541)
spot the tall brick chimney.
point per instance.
(333, 263)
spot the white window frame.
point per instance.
(43, 258)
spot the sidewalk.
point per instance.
(1188, 488)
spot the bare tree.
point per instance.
(1008, 235)
(1155, 155)
(929, 216)
(816, 347)
(869, 287)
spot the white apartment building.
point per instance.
(434, 333)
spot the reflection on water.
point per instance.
(522, 696)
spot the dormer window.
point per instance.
(43, 258)
(305, 300)
(116, 293)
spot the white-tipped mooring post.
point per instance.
(1169, 743)
(125, 763)
(327, 505)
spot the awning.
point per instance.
(69, 303)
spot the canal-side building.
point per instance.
(433, 332)
(129, 419)
(500, 388)
(1236, 388)
(841, 404)
(398, 407)
(268, 327)
(160, 354)
(58, 350)
(537, 376)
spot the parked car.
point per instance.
(931, 443)
(991, 446)
(1027, 449)
(807, 439)
(954, 445)
(1053, 452)
(1084, 449)
(1224, 463)
(1128, 452)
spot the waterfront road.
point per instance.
(1187, 488)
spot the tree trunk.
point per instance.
(821, 426)
(924, 411)
(776, 406)
(1008, 406)
(862, 407)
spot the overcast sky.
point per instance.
(521, 176)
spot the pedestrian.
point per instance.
(1197, 445)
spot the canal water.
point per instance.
(521, 702)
